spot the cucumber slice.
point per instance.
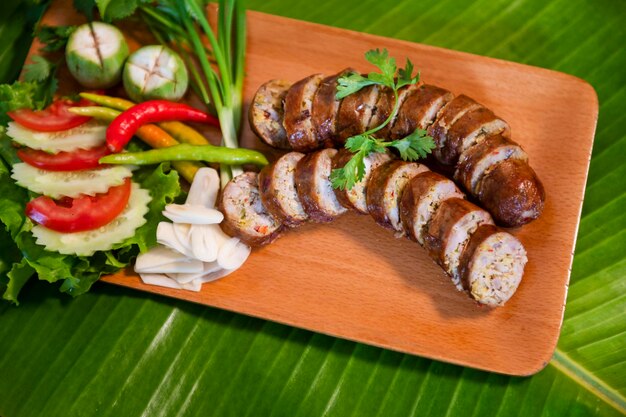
(155, 72)
(85, 136)
(95, 55)
(57, 184)
(88, 242)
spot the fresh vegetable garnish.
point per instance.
(64, 161)
(85, 136)
(54, 38)
(150, 134)
(79, 214)
(185, 152)
(180, 131)
(155, 72)
(35, 92)
(53, 118)
(417, 145)
(95, 54)
(122, 129)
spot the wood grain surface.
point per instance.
(353, 279)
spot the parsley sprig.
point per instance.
(414, 146)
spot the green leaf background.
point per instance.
(115, 352)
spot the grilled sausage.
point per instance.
(245, 216)
(385, 189)
(511, 191)
(421, 198)
(477, 159)
(301, 133)
(314, 188)
(449, 230)
(458, 125)
(355, 113)
(419, 110)
(277, 186)
(492, 265)
(266, 113)
(325, 109)
(355, 198)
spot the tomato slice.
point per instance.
(70, 215)
(54, 118)
(64, 161)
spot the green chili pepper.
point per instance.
(178, 130)
(185, 152)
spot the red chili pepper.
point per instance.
(124, 126)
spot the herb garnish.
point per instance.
(414, 146)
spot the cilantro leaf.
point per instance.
(385, 64)
(350, 84)
(405, 75)
(111, 10)
(54, 37)
(39, 70)
(415, 146)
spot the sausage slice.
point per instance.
(314, 187)
(355, 113)
(385, 190)
(266, 113)
(355, 198)
(421, 198)
(277, 186)
(297, 121)
(384, 107)
(419, 110)
(325, 109)
(471, 128)
(511, 191)
(476, 160)
(449, 231)
(245, 216)
(492, 265)
(446, 117)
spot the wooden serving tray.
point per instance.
(353, 279)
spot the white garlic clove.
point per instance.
(203, 243)
(164, 260)
(192, 286)
(232, 254)
(192, 214)
(182, 231)
(204, 188)
(214, 276)
(166, 236)
(208, 268)
(160, 280)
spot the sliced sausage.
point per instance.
(419, 109)
(511, 191)
(492, 265)
(325, 109)
(277, 185)
(472, 127)
(355, 112)
(266, 113)
(245, 216)
(421, 198)
(477, 159)
(314, 187)
(446, 117)
(384, 107)
(301, 133)
(385, 189)
(355, 198)
(449, 231)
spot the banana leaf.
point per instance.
(114, 352)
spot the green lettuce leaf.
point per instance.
(76, 273)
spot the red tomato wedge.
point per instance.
(53, 118)
(64, 161)
(70, 215)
